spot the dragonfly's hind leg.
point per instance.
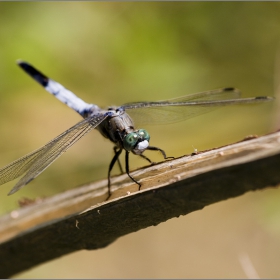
(158, 149)
(127, 169)
(113, 161)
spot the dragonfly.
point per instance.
(115, 124)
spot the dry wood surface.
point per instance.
(81, 218)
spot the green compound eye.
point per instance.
(144, 134)
(130, 141)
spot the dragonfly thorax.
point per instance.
(119, 128)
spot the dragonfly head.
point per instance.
(137, 141)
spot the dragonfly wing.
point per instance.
(36, 162)
(186, 107)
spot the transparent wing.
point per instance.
(185, 107)
(33, 164)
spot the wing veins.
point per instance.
(186, 107)
(34, 163)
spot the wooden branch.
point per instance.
(81, 219)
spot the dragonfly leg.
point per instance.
(127, 169)
(113, 161)
(146, 158)
(119, 163)
(158, 149)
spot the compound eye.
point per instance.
(144, 134)
(130, 140)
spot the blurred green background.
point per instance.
(111, 53)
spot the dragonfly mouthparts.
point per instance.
(141, 147)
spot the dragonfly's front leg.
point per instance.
(127, 169)
(158, 149)
(146, 158)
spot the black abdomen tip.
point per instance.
(34, 73)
